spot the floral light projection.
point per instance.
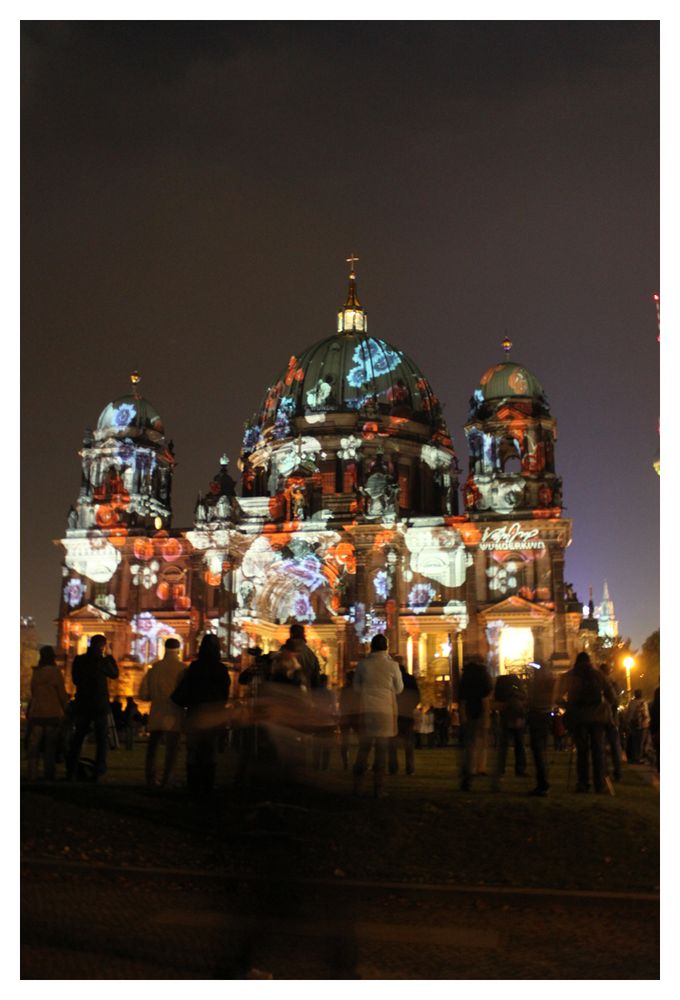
(74, 591)
(124, 415)
(145, 576)
(349, 448)
(381, 584)
(92, 557)
(371, 358)
(420, 597)
(503, 578)
(457, 610)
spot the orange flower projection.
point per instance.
(106, 516)
(143, 549)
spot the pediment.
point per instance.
(88, 612)
(517, 607)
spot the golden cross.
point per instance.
(352, 260)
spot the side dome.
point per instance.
(128, 415)
(508, 380)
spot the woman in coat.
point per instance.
(46, 712)
(378, 681)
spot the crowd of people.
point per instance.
(288, 718)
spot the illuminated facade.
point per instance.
(347, 521)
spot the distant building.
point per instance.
(347, 521)
(607, 625)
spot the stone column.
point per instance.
(557, 560)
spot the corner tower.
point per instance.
(516, 535)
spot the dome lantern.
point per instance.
(352, 317)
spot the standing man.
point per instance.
(378, 682)
(587, 713)
(510, 697)
(637, 719)
(165, 718)
(90, 673)
(474, 692)
(542, 692)
(306, 657)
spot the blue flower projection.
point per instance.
(74, 591)
(251, 438)
(123, 415)
(381, 584)
(371, 358)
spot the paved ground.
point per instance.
(118, 883)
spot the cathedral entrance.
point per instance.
(515, 650)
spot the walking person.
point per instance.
(323, 724)
(45, 713)
(90, 673)
(611, 729)
(474, 694)
(165, 718)
(378, 681)
(203, 691)
(407, 703)
(587, 714)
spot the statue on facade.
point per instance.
(381, 492)
(72, 519)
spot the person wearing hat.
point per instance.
(165, 718)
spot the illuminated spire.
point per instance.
(507, 345)
(352, 317)
(135, 378)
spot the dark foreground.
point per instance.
(310, 882)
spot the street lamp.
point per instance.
(628, 663)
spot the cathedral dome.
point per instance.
(129, 415)
(346, 372)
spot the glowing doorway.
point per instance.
(515, 649)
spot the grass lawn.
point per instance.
(425, 831)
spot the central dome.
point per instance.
(348, 372)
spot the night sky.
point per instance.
(190, 192)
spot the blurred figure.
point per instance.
(423, 725)
(611, 729)
(203, 691)
(587, 714)
(45, 713)
(90, 673)
(349, 716)
(407, 702)
(165, 718)
(131, 719)
(455, 723)
(378, 681)
(511, 698)
(637, 722)
(284, 711)
(558, 727)
(306, 657)
(474, 694)
(655, 727)
(323, 710)
(441, 724)
(541, 695)
(117, 715)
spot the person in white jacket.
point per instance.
(378, 681)
(165, 718)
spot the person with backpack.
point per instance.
(473, 693)
(586, 717)
(510, 697)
